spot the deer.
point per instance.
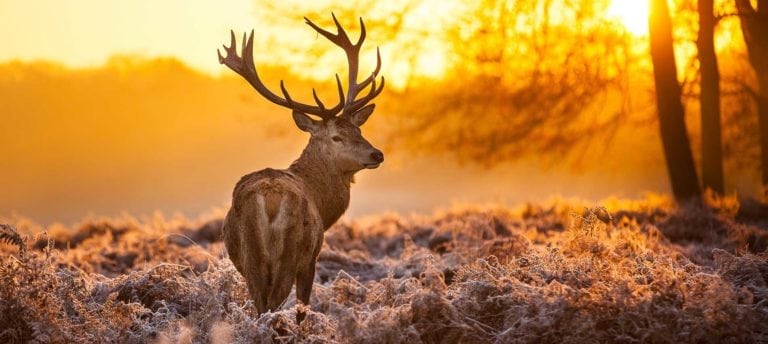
(275, 226)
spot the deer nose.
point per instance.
(377, 156)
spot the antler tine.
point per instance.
(285, 92)
(245, 67)
(342, 34)
(362, 33)
(340, 38)
(317, 100)
(375, 73)
(341, 90)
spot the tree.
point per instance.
(711, 137)
(674, 134)
(754, 25)
(530, 78)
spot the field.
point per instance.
(627, 271)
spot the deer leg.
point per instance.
(305, 279)
(257, 290)
(281, 287)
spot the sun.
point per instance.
(633, 14)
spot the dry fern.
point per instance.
(8, 234)
(554, 273)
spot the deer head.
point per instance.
(336, 133)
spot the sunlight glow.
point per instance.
(432, 64)
(86, 33)
(633, 14)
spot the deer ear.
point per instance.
(360, 116)
(304, 122)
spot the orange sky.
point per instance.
(212, 137)
(83, 33)
(87, 32)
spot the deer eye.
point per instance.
(336, 138)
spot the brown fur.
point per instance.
(274, 229)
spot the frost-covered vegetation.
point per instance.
(643, 271)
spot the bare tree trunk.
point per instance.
(754, 25)
(711, 137)
(674, 134)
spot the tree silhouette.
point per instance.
(754, 25)
(674, 134)
(711, 137)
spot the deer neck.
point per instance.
(325, 184)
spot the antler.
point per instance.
(342, 40)
(245, 67)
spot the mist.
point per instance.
(140, 136)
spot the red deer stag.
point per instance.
(274, 229)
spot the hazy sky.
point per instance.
(86, 32)
(211, 136)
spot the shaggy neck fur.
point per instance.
(326, 185)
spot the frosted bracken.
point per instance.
(641, 271)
